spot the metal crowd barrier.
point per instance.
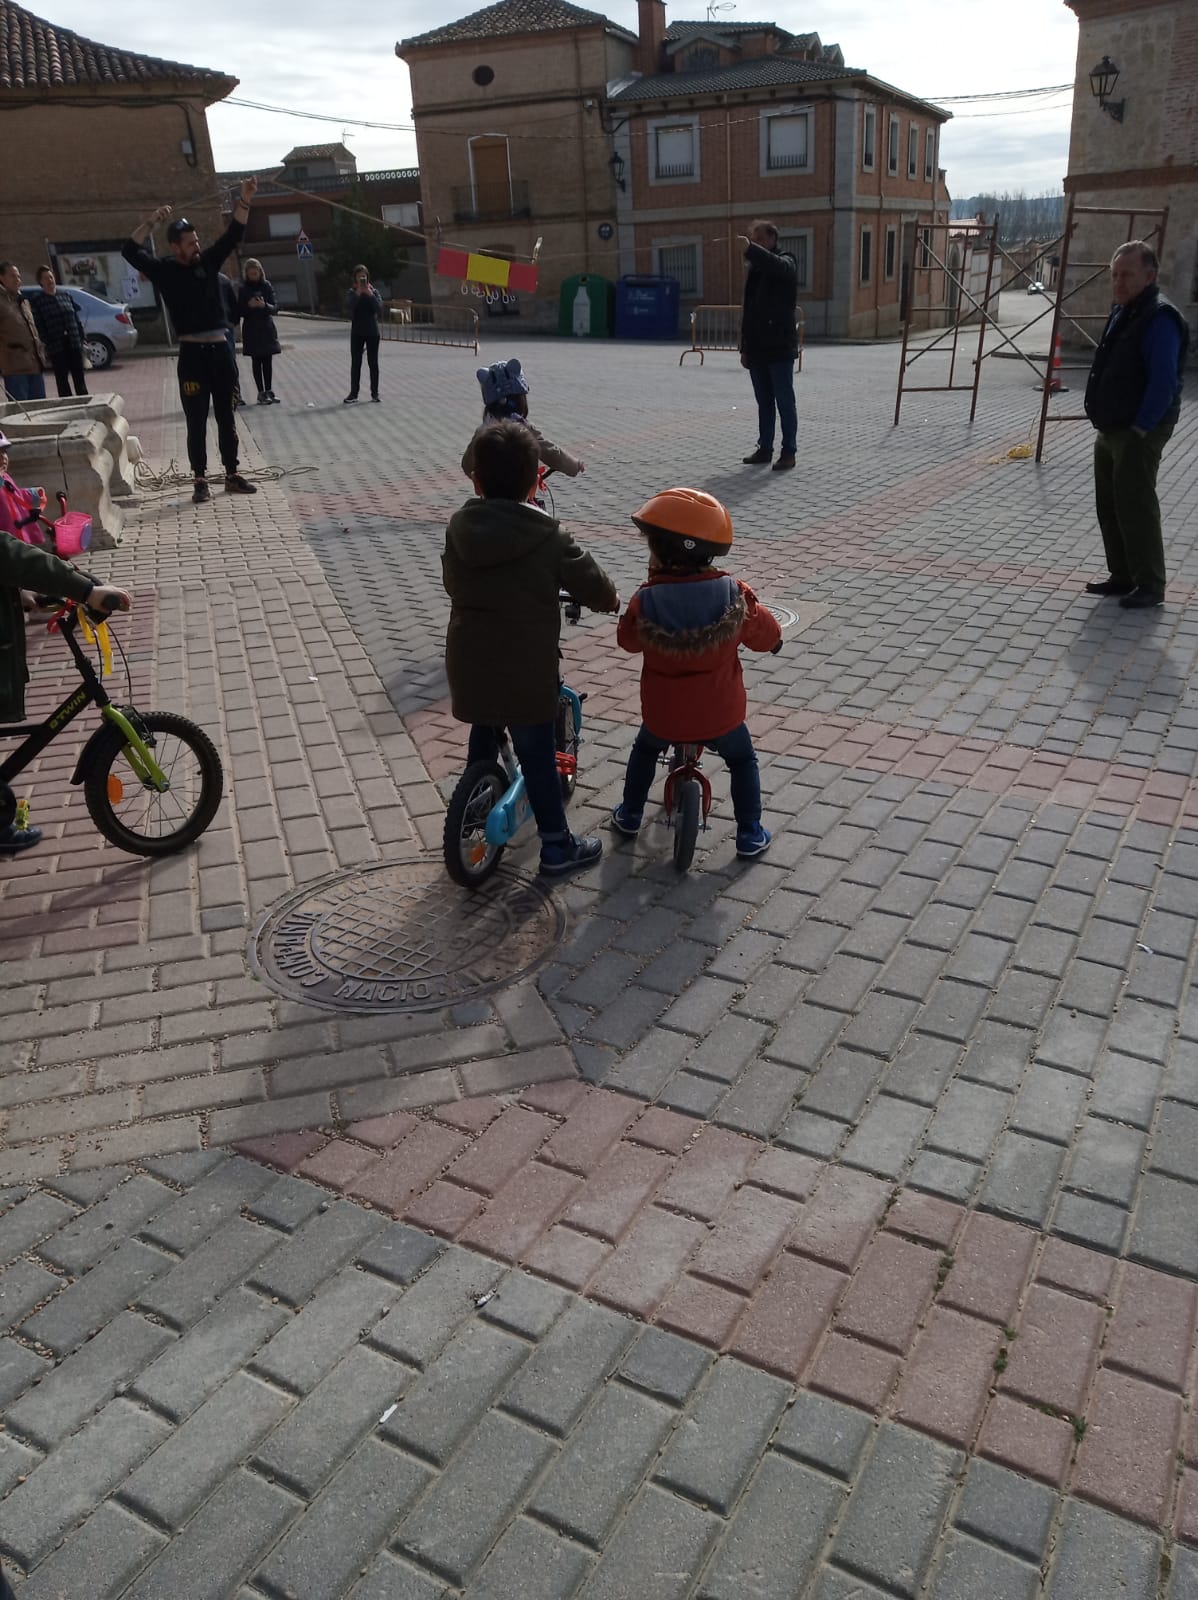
(718, 328)
(452, 325)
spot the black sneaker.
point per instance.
(236, 484)
(350, 400)
(758, 458)
(201, 493)
(562, 857)
(784, 462)
(1142, 600)
(264, 398)
(272, 397)
(1109, 586)
(376, 398)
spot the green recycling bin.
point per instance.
(586, 309)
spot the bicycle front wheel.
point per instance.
(470, 857)
(688, 804)
(135, 816)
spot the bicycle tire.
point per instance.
(469, 858)
(566, 741)
(194, 802)
(688, 807)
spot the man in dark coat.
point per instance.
(1133, 398)
(769, 342)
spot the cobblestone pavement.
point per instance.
(824, 1226)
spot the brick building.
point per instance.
(100, 137)
(649, 153)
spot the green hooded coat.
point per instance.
(24, 566)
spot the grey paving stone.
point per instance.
(1049, 1103)
(190, 1290)
(1163, 1233)
(85, 1188)
(455, 1391)
(464, 1511)
(663, 1364)
(969, 1569)
(887, 1136)
(186, 1168)
(71, 1481)
(19, 1369)
(1184, 1582)
(722, 1434)
(603, 1464)
(183, 1472)
(531, 1561)
(814, 1136)
(1175, 1142)
(922, 1069)
(835, 1585)
(31, 1221)
(968, 1120)
(1106, 1161)
(399, 1253)
(1098, 1554)
(423, 1321)
(313, 1253)
(526, 1305)
(945, 1175)
(1007, 1510)
(287, 1203)
(99, 1560)
(776, 1535)
(208, 1205)
(558, 1383)
(760, 1099)
(842, 1084)
(222, 1543)
(76, 1313)
(345, 1526)
(656, 1552)
(108, 1223)
(88, 1380)
(23, 1286)
(824, 1433)
(333, 1321)
(692, 1095)
(889, 1530)
(389, 1579)
(215, 1347)
(647, 1068)
(306, 1448)
(17, 1461)
(1125, 1090)
(1091, 1222)
(1022, 1179)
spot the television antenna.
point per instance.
(714, 7)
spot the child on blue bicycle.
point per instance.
(503, 566)
(505, 395)
(688, 622)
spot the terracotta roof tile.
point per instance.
(514, 17)
(762, 72)
(35, 54)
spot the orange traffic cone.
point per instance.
(1055, 386)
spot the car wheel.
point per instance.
(98, 351)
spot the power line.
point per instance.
(999, 94)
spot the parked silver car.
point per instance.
(108, 329)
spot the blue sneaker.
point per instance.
(560, 857)
(754, 841)
(625, 822)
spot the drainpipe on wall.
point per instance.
(582, 160)
(728, 190)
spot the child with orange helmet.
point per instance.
(688, 622)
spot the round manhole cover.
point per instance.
(402, 938)
(786, 617)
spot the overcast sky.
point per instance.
(341, 61)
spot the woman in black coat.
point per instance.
(259, 337)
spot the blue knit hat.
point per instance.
(501, 381)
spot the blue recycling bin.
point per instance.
(647, 308)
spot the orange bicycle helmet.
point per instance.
(696, 523)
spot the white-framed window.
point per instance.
(785, 141)
(892, 152)
(869, 138)
(284, 224)
(929, 155)
(681, 259)
(867, 256)
(799, 243)
(913, 150)
(404, 215)
(674, 151)
(891, 253)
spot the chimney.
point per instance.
(651, 30)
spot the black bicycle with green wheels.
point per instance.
(152, 780)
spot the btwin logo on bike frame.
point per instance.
(74, 705)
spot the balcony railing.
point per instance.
(491, 202)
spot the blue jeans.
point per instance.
(735, 747)
(26, 386)
(535, 744)
(774, 387)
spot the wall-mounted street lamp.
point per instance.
(1103, 79)
(617, 168)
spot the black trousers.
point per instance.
(207, 374)
(264, 369)
(357, 343)
(68, 364)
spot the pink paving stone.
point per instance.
(926, 1217)
(1028, 1440)
(888, 1294)
(507, 1145)
(395, 1179)
(1128, 1458)
(991, 1264)
(747, 1237)
(336, 1164)
(444, 1208)
(590, 1131)
(1187, 1508)
(611, 1198)
(567, 1257)
(708, 1173)
(1152, 1331)
(701, 1311)
(282, 1150)
(948, 1376)
(785, 1172)
(788, 1315)
(639, 1275)
(840, 1217)
(470, 1116)
(1052, 1360)
(1071, 1266)
(557, 1098)
(382, 1133)
(523, 1209)
(857, 1373)
(664, 1130)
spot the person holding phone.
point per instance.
(363, 306)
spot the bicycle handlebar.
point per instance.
(571, 608)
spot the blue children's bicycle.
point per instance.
(489, 806)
